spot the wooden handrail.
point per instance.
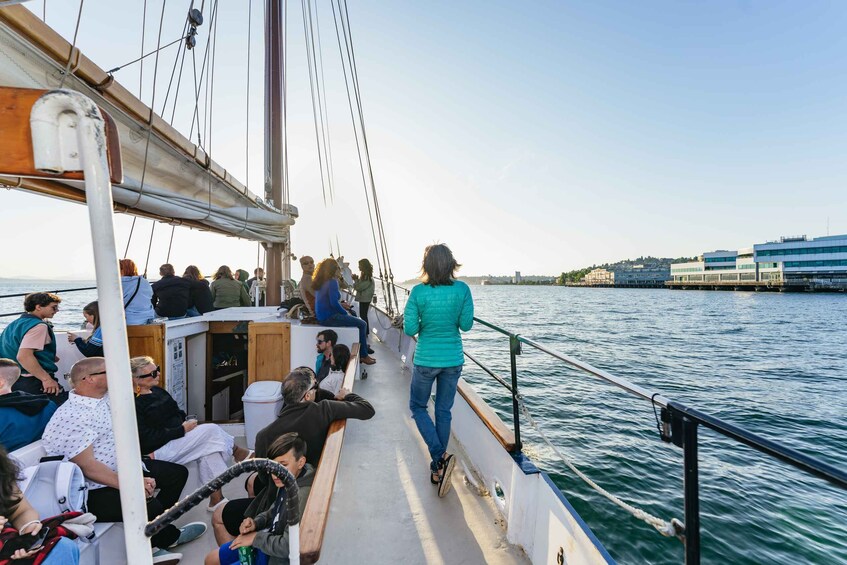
(315, 516)
(492, 421)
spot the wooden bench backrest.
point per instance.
(313, 524)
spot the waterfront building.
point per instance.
(820, 261)
(599, 277)
(791, 261)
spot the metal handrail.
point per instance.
(680, 424)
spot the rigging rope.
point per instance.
(143, 34)
(149, 247)
(73, 45)
(359, 153)
(672, 528)
(170, 244)
(316, 112)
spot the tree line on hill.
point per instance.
(577, 275)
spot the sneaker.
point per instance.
(164, 557)
(190, 532)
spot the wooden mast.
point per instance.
(274, 151)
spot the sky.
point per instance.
(536, 137)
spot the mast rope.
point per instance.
(359, 153)
(119, 67)
(73, 45)
(247, 118)
(208, 113)
(170, 244)
(317, 112)
(322, 91)
(149, 247)
(672, 528)
(380, 224)
(152, 103)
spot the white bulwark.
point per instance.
(813, 264)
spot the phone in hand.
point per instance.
(38, 539)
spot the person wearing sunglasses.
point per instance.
(166, 435)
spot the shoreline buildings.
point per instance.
(792, 263)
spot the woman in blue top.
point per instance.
(92, 346)
(138, 295)
(435, 311)
(329, 309)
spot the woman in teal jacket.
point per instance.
(435, 312)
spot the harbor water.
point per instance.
(773, 363)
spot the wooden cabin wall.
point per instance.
(149, 340)
(269, 357)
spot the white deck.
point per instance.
(384, 509)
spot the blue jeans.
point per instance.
(65, 552)
(435, 435)
(229, 556)
(342, 321)
(192, 312)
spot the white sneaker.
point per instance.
(164, 557)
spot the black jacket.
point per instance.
(171, 296)
(159, 420)
(201, 296)
(311, 421)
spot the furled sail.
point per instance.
(168, 178)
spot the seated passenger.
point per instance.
(81, 430)
(166, 435)
(171, 294)
(307, 411)
(16, 512)
(138, 295)
(23, 416)
(324, 343)
(289, 450)
(228, 292)
(92, 346)
(338, 366)
(331, 311)
(307, 293)
(201, 297)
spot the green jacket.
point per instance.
(436, 314)
(364, 290)
(227, 293)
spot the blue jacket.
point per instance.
(436, 314)
(23, 417)
(13, 335)
(139, 310)
(328, 301)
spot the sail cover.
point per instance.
(165, 175)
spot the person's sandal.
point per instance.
(444, 485)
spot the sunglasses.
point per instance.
(320, 341)
(154, 373)
(311, 388)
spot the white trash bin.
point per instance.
(262, 403)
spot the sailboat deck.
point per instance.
(384, 509)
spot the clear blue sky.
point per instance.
(538, 137)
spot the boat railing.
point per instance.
(679, 426)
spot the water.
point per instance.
(70, 310)
(773, 363)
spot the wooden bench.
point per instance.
(313, 523)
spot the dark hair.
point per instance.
(438, 267)
(285, 443)
(192, 273)
(304, 370)
(366, 269)
(295, 386)
(329, 335)
(325, 271)
(167, 270)
(223, 272)
(92, 309)
(10, 496)
(42, 299)
(341, 356)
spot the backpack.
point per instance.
(54, 487)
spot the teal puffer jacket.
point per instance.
(436, 314)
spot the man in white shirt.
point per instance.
(81, 430)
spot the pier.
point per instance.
(761, 286)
